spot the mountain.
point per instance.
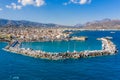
(23, 23)
(98, 24)
(102, 24)
(78, 25)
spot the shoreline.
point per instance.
(48, 35)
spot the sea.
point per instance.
(18, 67)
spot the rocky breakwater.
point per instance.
(108, 48)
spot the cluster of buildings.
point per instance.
(34, 34)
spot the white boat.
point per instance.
(112, 32)
(108, 37)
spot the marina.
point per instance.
(15, 37)
(108, 48)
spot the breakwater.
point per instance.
(108, 48)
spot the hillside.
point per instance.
(23, 23)
(98, 24)
(103, 24)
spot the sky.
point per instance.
(65, 12)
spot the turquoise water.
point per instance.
(18, 67)
(63, 46)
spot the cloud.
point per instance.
(22, 3)
(14, 6)
(80, 2)
(37, 3)
(84, 1)
(1, 9)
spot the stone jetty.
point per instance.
(108, 48)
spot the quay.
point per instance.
(108, 48)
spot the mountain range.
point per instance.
(23, 23)
(102, 24)
(98, 24)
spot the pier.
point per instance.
(108, 48)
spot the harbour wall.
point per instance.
(108, 48)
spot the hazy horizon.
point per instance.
(58, 24)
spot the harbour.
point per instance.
(108, 47)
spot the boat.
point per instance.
(112, 32)
(82, 38)
(108, 37)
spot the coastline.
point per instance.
(50, 34)
(16, 36)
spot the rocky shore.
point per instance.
(108, 48)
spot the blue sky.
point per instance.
(67, 12)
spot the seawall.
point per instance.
(108, 48)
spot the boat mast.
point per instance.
(74, 48)
(68, 48)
